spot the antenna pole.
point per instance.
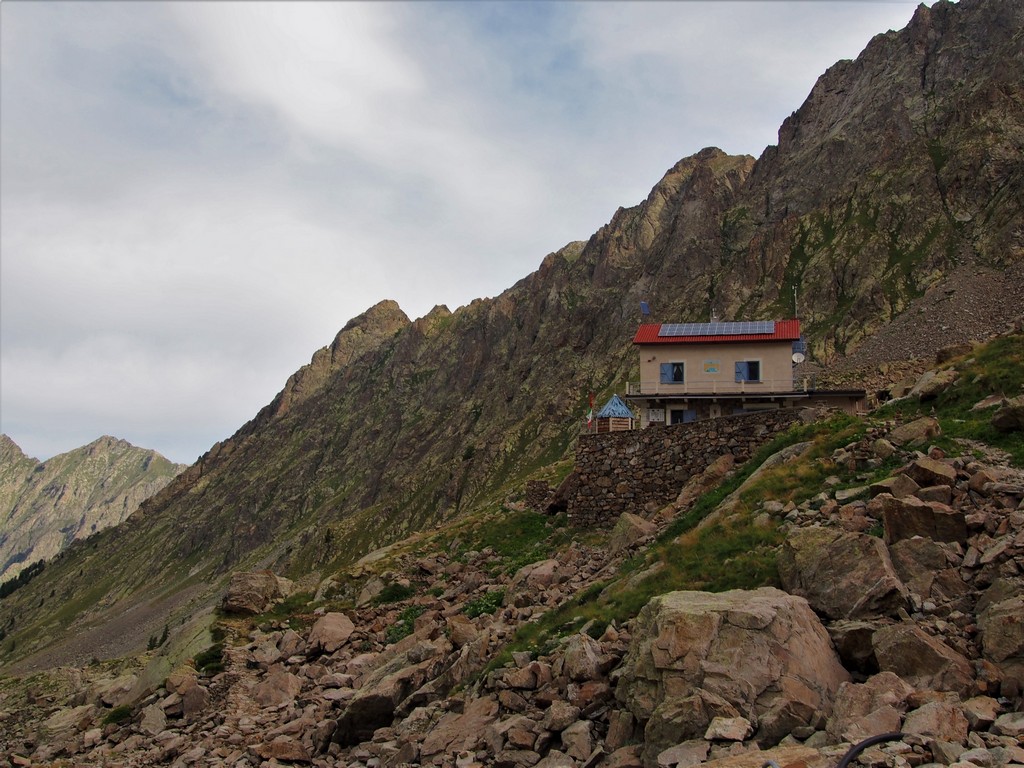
(796, 310)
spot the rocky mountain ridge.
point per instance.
(912, 632)
(900, 168)
(45, 506)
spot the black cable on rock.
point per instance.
(856, 749)
(853, 751)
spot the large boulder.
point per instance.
(916, 431)
(1010, 416)
(933, 383)
(630, 529)
(790, 755)
(458, 731)
(924, 566)
(330, 632)
(842, 575)
(153, 720)
(927, 472)
(922, 660)
(694, 656)
(279, 687)
(941, 720)
(535, 578)
(700, 484)
(283, 748)
(582, 659)
(1002, 635)
(194, 698)
(254, 592)
(899, 486)
(909, 517)
(865, 709)
(398, 673)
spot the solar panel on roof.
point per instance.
(717, 329)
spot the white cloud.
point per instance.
(196, 196)
(331, 69)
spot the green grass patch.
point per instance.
(996, 368)
(485, 604)
(518, 537)
(289, 607)
(210, 661)
(404, 624)
(828, 435)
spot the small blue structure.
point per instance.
(615, 416)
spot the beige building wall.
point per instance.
(710, 368)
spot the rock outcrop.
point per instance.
(695, 656)
(843, 575)
(256, 592)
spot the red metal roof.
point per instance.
(785, 330)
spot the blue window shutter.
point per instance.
(741, 371)
(666, 373)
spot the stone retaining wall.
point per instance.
(624, 471)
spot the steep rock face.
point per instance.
(44, 506)
(900, 166)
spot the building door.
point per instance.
(683, 417)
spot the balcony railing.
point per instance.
(801, 384)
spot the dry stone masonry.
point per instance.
(625, 471)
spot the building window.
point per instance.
(748, 370)
(673, 373)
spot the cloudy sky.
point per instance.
(195, 196)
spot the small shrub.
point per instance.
(210, 661)
(403, 626)
(487, 603)
(118, 715)
(392, 593)
(290, 606)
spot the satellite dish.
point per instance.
(798, 357)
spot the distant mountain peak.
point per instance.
(44, 506)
